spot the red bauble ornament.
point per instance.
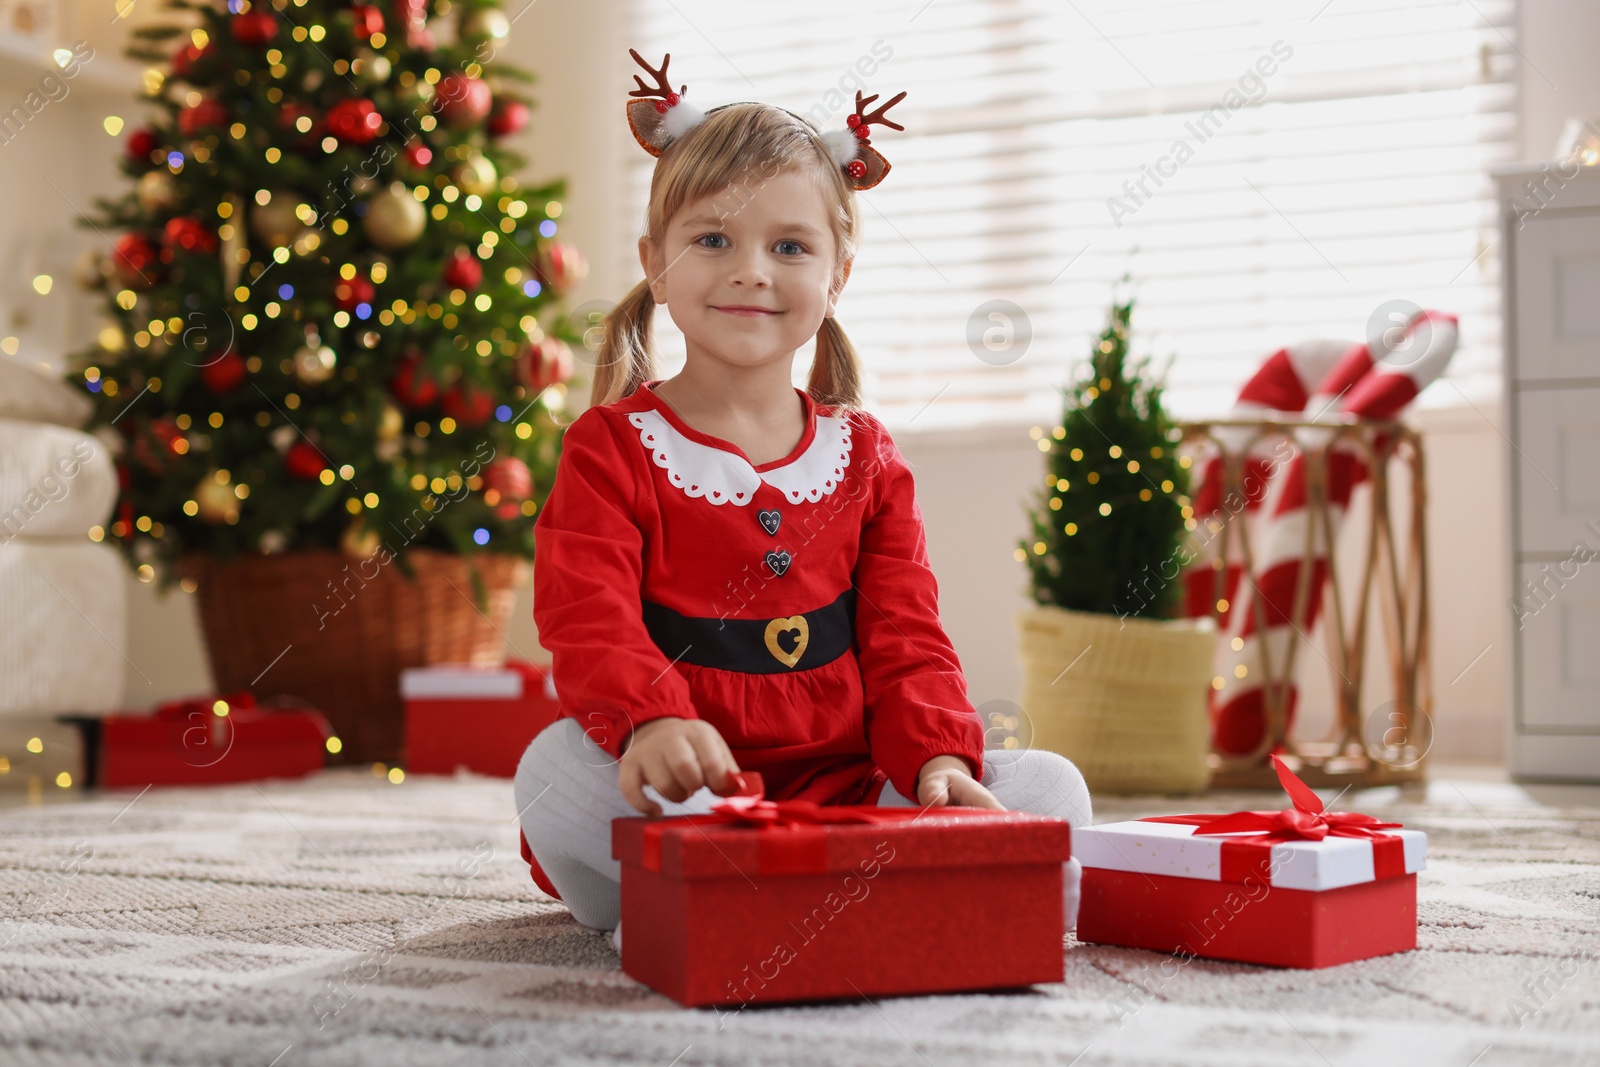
(462, 270)
(467, 404)
(562, 266)
(358, 290)
(857, 169)
(413, 15)
(136, 261)
(353, 121)
(413, 384)
(418, 154)
(189, 234)
(198, 118)
(509, 477)
(507, 117)
(255, 27)
(506, 484)
(368, 20)
(463, 101)
(225, 373)
(547, 363)
(141, 143)
(304, 460)
(154, 447)
(185, 59)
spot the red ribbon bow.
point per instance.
(747, 807)
(243, 700)
(1308, 820)
(792, 848)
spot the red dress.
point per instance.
(790, 604)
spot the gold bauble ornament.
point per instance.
(314, 363)
(394, 218)
(359, 541)
(276, 221)
(475, 175)
(484, 24)
(374, 67)
(390, 423)
(216, 499)
(156, 191)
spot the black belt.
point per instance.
(756, 646)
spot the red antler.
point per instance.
(663, 87)
(862, 119)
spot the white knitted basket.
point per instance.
(54, 481)
(64, 611)
(30, 394)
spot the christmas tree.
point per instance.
(1109, 522)
(337, 317)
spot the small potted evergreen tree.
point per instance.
(1111, 680)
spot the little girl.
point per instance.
(730, 572)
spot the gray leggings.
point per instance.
(567, 794)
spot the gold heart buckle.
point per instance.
(779, 626)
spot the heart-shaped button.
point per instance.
(770, 520)
(779, 562)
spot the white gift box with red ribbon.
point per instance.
(1300, 887)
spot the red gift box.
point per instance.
(763, 901)
(204, 740)
(480, 718)
(1301, 887)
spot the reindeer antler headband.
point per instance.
(662, 116)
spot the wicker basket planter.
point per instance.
(337, 632)
(1123, 698)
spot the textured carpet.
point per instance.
(345, 920)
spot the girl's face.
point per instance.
(765, 245)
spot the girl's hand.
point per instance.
(676, 756)
(946, 780)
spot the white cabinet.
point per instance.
(1552, 390)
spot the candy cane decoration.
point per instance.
(1281, 386)
(1367, 388)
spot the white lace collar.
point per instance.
(722, 477)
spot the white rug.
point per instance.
(345, 920)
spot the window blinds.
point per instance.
(1262, 173)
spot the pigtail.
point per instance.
(624, 360)
(835, 369)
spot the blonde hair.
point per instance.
(746, 143)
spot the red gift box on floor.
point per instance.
(764, 901)
(205, 740)
(1302, 887)
(480, 718)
